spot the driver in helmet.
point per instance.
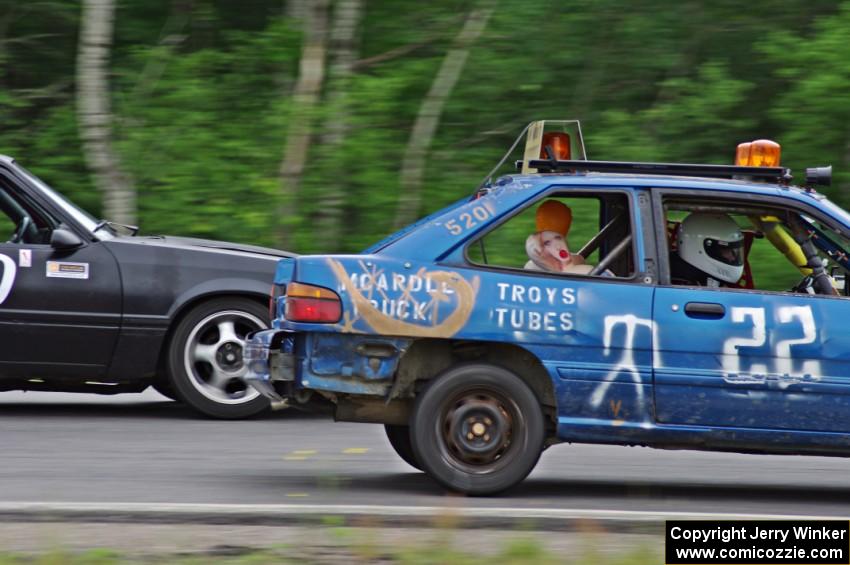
(710, 251)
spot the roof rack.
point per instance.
(780, 175)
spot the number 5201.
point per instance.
(468, 220)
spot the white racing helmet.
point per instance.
(714, 244)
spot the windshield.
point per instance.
(80, 216)
(838, 213)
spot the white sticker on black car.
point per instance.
(66, 270)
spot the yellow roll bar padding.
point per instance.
(782, 241)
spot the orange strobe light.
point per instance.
(742, 154)
(758, 153)
(560, 144)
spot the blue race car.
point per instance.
(665, 305)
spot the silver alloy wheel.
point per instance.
(213, 356)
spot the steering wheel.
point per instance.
(596, 270)
(805, 286)
(22, 229)
(612, 256)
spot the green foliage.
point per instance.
(811, 106)
(699, 119)
(202, 95)
(199, 127)
(362, 547)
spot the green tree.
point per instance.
(811, 106)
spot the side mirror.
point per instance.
(63, 238)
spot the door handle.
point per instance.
(705, 310)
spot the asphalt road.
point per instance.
(145, 449)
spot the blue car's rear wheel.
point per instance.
(477, 429)
(399, 437)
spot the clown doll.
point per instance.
(547, 248)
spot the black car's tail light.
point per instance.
(276, 292)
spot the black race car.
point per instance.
(88, 306)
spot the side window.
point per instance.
(568, 234)
(21, 221)
(8, 223)
(740, 246)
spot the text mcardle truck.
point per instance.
(666, 305)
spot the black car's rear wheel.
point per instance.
(205, 357)
(477, 429)
(399, 437)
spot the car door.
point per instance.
(60, 309)
(749, 359)
(594, 333)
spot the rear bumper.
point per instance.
(285, 364)
(270, 359)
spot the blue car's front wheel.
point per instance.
(477, 429)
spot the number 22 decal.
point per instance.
(783, 355)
